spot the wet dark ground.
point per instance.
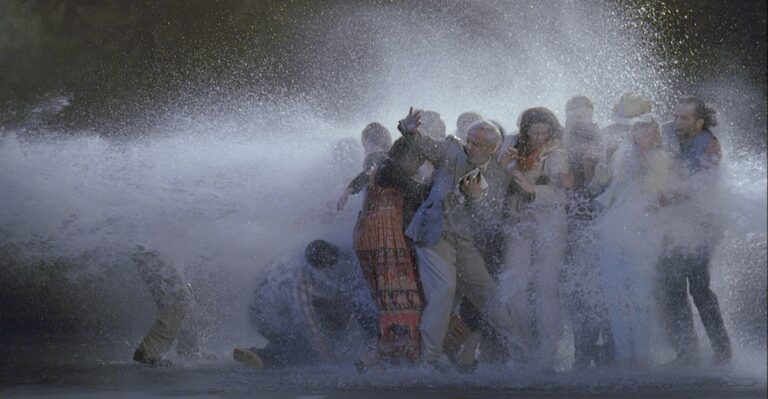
(69, 370)
(233, 381)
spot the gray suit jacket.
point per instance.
(450, 161)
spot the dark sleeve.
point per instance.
(414, 197)
(428, 149)
(391, 175)
(370, 163)
(374, 159)
(360, 181)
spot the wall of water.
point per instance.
(224, 180)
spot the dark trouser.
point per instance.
(675, 269)
(584, 298)
(589, 322)
(369, 322)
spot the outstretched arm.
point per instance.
(355, 186)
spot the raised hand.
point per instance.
(471, 186)
(342, 201)
(511, 154)
(522, 182)
(411, 123)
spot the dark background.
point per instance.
(116, 59)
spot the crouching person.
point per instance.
(304, 309)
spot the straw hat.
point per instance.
(631, 105)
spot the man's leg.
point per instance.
(478, 286)
(548, 258)
(708, 306)
(172, 296)
(585, 330)
(676, 313)
(606, 352)
(581, 291)
(437, 271)
(161, 335)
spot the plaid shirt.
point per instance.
(293, 300)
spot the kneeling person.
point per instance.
(303, 308)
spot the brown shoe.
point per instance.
(143, 357)
(248, 357)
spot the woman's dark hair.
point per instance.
(532, 116)
(704, 111)
(376, 134)
(402, 148)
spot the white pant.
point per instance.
(453, 263)
(535, 252)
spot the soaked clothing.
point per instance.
(684, 266)
(305, 313)
(490, 236)
(630, 234)
(370, 163)
(388, 263)
(172, 297)
(584, 295)
(535, 249)
(583, 292)
(447, 256)
(679, 270)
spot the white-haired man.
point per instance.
(442, 232)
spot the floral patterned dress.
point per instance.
(389, 265)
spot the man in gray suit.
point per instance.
(466, 176)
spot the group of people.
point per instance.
(510, 233)
(482, 245)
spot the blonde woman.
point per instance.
(629, 235)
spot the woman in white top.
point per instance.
(535, 245)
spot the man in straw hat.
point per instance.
(629, 107)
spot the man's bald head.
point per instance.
(483, 139)
(489, 131)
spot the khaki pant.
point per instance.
(172, 297)
(164, 331)
(454, 264)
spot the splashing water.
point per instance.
(225, 186)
